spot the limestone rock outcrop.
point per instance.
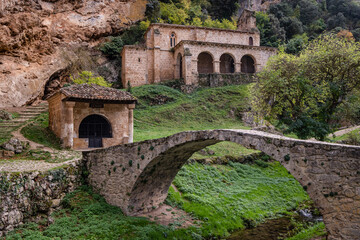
(41, 38)
(257, 5)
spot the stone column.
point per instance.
(216, 66)
(257, 67)
(187, 64)
(68, 124)
(131, 122)
(238, 67)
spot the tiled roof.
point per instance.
(95, 92)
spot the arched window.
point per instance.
(251, 41)
(95, 128)
(227, 64)
(247, 64)
(205, 63)
(172, 40)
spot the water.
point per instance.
(274, 228)
(269, 230)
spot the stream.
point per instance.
(274, 229)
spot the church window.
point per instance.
(172, 40)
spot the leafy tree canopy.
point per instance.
(89, 78)
(204, 13)
(302, 92)
(312, 17)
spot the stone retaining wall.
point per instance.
(27, 194)
(225, 79)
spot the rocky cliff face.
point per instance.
(257, 5)
(48, 40)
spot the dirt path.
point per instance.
(345, 131)
(33, 145)
(30, 165)
(167, 215)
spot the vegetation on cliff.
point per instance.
(291, 22)
(294, 22)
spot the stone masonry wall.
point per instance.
(136, 177)
(161, 35)
(26, 194)
(134, 66)
(224, 79)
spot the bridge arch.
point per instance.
(149, 167)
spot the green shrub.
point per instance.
(88, 77)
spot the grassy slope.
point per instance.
(39, 132)
(234, 196)
(204, 109)
(88, 216)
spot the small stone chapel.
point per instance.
(91, 116)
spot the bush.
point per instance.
(113, 48)
(87, 77)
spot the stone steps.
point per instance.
(32, 111)
(29, 113)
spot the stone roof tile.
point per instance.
(95, 92)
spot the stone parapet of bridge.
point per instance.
(136, 177)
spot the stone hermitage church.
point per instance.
(178, 51)
(91, 116)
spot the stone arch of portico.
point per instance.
(246, 65)
(228, 67)
(205, 62)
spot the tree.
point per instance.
(297, 43)
(302, 92)
(271, 33)
(88, 77)
(309, 11)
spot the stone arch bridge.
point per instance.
(136, 177)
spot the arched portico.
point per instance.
(227, 63)
(248, 64)
(205, 63)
